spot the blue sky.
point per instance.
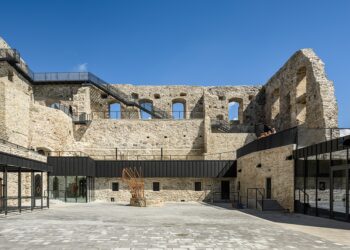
(195, 42)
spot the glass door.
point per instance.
(340, 193)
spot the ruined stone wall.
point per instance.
(51, 129)
(171, 189)
(133, 137)
(164, 96)
(16, 99)
(274, 165)
(75, 95)
(23, 152)
(223, 146)
(300, 94)
(217, 101)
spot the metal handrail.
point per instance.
(13, 57)
(234, 194)
(257, 193)
(305, 195)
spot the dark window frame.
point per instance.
(156, 186)
(115, 186)
(198, 186)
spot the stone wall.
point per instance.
(16, 99)
(300, 94)
(51, 129)
(163, 97)
(223, 146)
(142, 137)
(21, 151)
(75, 95)
(171, 189)
(217, 100)
(274, 165)
(26, 187)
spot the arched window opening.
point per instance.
(37, 185)
(115, 111)
(179, 109)
(146, 104)
(275, 105)
(234, 111)
(43, 151)
(301, 82)
(301, 86)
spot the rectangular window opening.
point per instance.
(156, 186)
(198, 186)
(115, 186)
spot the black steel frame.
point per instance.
(302, 156)
(282, 138)
(4, 198)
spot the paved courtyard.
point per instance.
(174, 225)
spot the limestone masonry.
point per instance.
(48, 117)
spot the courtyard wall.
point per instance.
(254, 168)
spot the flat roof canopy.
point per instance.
(13, 163)
(85, 166)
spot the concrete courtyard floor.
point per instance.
(174, 225)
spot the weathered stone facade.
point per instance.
(171, 189)
(254, 168)
(299, 94)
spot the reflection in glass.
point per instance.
(339, 193)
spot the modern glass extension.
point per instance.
(322, 179)
(77, 189)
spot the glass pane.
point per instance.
(148, 106)
(323, 192)
(82, 189)
(178, 110)
(57, 188)
(339, 193)
(71, 189)
(310, 185)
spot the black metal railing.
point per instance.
(232, 196)
(282, 138)
(257, 194)
(117, 115)
(154, 154)
(13, 57)
(306, 197)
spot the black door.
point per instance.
(268, 188)
(225, 190)
(38, 185)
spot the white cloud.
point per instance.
(81, 67)
(344, 132)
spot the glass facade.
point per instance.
(72, 188)
(322, 184)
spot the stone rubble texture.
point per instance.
(298, 94)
